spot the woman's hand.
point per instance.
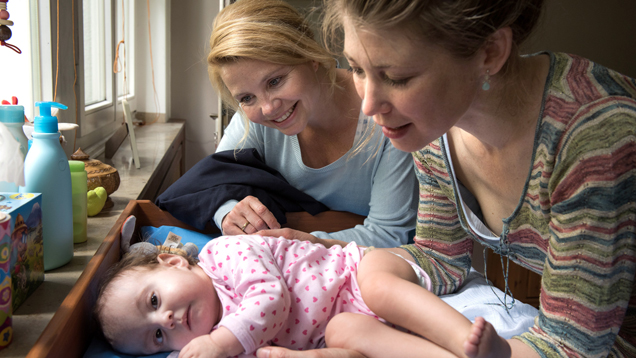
(280, 352)
(291, 234)
(248, 217)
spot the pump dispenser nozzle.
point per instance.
(45, 122)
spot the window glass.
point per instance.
(95, 78)
(17, 77)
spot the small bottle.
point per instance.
(13, 118)
(46, 171)
(79, 187)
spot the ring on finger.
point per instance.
(244, 226)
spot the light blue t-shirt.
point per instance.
(378, 182)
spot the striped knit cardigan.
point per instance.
(575, 223)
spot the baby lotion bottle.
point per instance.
(13, 118)
(46, 171)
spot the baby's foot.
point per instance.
(484, 342)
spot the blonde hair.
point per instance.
(267, 30)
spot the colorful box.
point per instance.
(6, 312)
(25, 245)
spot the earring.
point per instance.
(486, 85)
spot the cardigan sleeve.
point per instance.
(588, 275)
(442, 247)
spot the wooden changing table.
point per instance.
(72, 327)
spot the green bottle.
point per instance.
(79, 188)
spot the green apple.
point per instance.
(96, 200)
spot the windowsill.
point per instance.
(32, 317)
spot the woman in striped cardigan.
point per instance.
(531, 156)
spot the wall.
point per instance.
(192, 96)
(603, 31)
(160, 26)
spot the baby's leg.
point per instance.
(372, 338)
(388, 286)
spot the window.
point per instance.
(97, 99)
(17, 78)
(97, 27)
(85, 79)
(105, 23)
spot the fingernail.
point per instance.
(263, 352)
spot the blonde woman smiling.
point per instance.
(303, 116)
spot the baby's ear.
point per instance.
(171, 260)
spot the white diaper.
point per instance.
(422, 276)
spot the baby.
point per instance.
(251, 291)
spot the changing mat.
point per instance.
(477, 298)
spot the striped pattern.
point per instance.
(576, 224)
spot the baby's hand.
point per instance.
(220, 343)
(200, 347)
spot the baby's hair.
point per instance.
(130, 261)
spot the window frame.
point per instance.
(98, 122)
(96, 116)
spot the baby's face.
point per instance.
(160, 309)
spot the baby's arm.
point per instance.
(220, 343)
(253, 280)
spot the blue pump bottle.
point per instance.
(46, 171)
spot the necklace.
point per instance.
(504, 268)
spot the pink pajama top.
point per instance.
(281, 292)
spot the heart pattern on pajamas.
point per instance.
(282, 292)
